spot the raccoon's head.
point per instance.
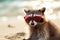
(35, 17)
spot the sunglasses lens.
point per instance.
(38, 19)
(41, 20)
(28, 19)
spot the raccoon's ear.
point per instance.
(26, 11)
(43, 9)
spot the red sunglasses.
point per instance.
(36, 18)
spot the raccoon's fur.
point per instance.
(43, 29)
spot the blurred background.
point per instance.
(12, 13)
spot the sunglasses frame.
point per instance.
(25, 17)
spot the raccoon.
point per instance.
(40, 28)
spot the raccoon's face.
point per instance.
(35, 17)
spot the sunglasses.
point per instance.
(36, 18)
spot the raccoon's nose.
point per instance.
(32, 23)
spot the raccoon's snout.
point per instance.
(32, 23)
